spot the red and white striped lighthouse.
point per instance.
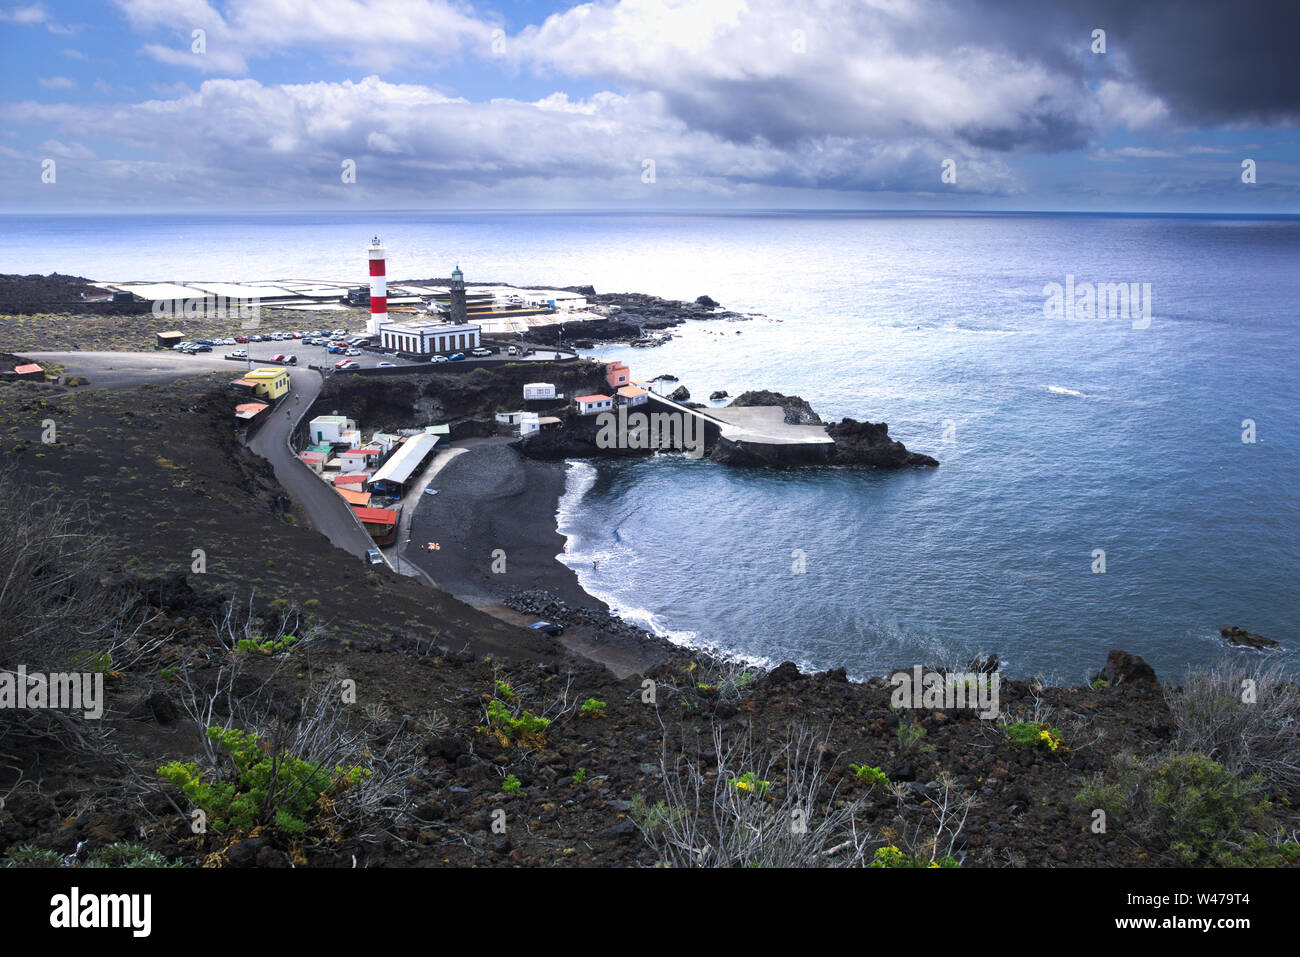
(378, 288)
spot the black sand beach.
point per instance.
(490, 497)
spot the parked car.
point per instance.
(179, 347)
(481, 352)
(334, 350)
(239, 354)
(437, 358)
(339, 333)
(296, 335)
(455, 355)
(512, 351)
(200, 347)
(384, 365)
(291, 359)
(547, 627)
(241, 338)
(352, 352)
(347, 365)
(374, 557)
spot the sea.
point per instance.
(1108, 480)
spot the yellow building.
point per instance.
(269, 383)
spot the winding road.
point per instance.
(327, 511)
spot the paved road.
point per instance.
(325, 509)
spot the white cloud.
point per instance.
(57, 83)
(33, 13)
(254, 141)
(66, 150)
(373, 34)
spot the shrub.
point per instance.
(911, 735)
(511, 785)
(709, 816)
(891, 856)
(1256, 737)
(265, 646)
(1199, 809)
(1035, 734)
(650, 818)
(750, 783)
(117, 855)
(872, 776)
(504, 690)
(523, 728)
(592, 708)
(580, 777)
(268, 787)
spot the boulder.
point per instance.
(680, 394)
(1246, 639)
(797, 410)
(868, 443)
(1125, 669)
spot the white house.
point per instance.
(423, 337)
(591, 404)
(632, 396)
(330, 428)
(528, 424)
(539, 390)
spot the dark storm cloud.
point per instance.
(1211, 61)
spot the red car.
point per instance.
(241, 338)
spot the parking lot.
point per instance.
(366, 357)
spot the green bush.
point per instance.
(111, 855)
(268, 788)
(267, 646)
(514, 728)
(750, 783)
(511, 785)
(1035, 734)
(891, 856)
(1200, 810)
(911, 735)
(869, 775)
(592, 708)
(651, 818)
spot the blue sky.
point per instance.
(648, 104)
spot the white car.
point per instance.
(384, 365)
(437, 358)
(481, 352)
(239, 354)
(352, 352)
